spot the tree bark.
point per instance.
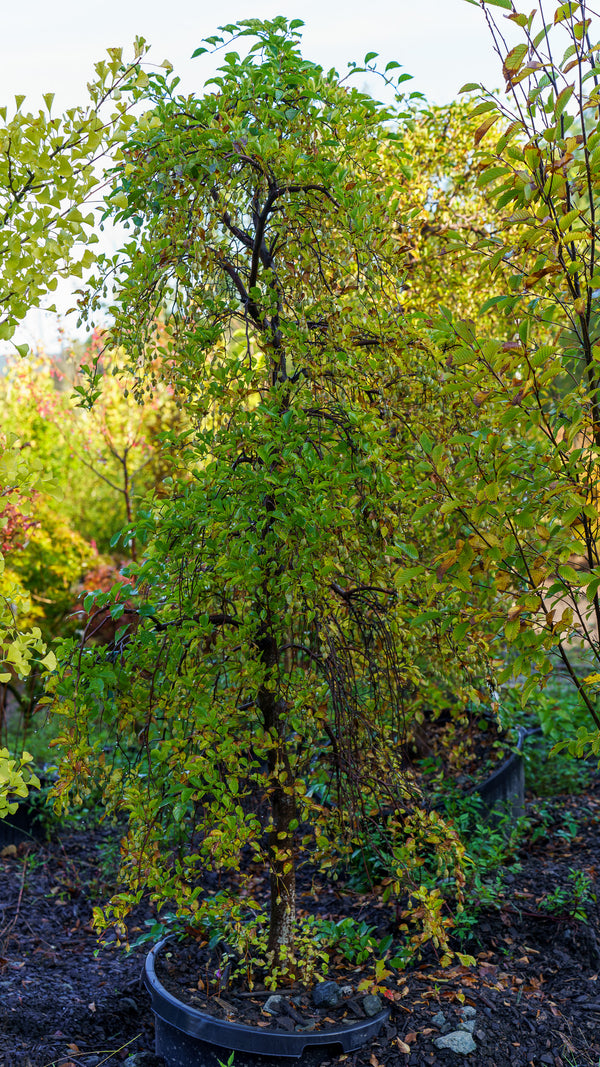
(283, 811)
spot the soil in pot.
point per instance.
(198, 977)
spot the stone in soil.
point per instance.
(372, 1005)
(468, 1012)
(326, 995)
(273, 1005)
(457, 1041)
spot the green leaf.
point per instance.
(564, 11)
(592, 587)
(563, 99)
(514, 60)
(491, 303)
(426, 616)
(408, 574)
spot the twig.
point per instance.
(10, 925)
(101, 1051)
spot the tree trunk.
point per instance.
(283, 811)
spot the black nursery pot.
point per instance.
(186, 1037)
(504, 790)
(24, 825)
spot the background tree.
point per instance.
(104, 459)
(521, 476)
(47, 174)
(441, 212)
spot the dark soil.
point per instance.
(535, 990)
(180, 967)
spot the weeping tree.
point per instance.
(264, 684)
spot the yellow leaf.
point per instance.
(49, 661)
(513, 61)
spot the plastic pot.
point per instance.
(186, 1037)
(24, 825)
(504, 790)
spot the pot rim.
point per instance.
(239, 1037)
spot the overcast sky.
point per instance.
(51, 45)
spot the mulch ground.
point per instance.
(535, 989)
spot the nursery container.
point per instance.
(24, 825)
(504, 790)
(186, 1037)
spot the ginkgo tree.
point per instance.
(48, 173)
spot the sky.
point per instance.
(52, 47)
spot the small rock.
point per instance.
(326, 995)
(274, 1005)
(354, 1005)
(547, 1058)
(439, 1019)
(372, 1004)
(92, 1061)
(306, 1029)
(468, 1025)
(128, 1004)
(468, 1012)
(290, 1010)
(480, 1035)
(457, 1041)
(346, 991)
(283, 1022)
